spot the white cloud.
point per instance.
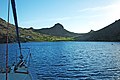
(99, 17)
(102, 8)
(111, 11)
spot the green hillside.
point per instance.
(26, 34)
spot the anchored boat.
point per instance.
(18, 70)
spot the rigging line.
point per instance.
(16, 23)
(7, 40)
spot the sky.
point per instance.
(78, 16)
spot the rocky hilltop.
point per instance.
(57, 30)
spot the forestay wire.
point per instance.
(7, 40)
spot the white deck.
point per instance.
(20, 74)
(15, 76)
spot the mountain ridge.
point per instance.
(108, 33)
(59, 33)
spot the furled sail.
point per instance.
(16, 22)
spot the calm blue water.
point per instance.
(72, 60)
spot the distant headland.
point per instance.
(59, 33)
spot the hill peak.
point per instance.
(56, 30)
(58, 26)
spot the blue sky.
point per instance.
(75, 15)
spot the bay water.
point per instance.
(70, 60)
